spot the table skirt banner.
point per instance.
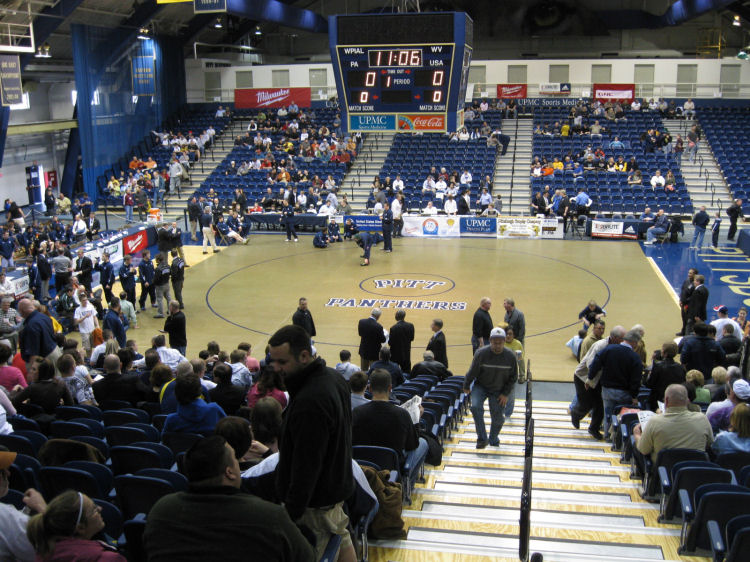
(614, 229)
(478, 226)
(528, 228)
(432, 227)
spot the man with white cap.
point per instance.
(723, 319)
(494, 372)
(739, 393)
(14, 545)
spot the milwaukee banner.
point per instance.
(272, 97)
(515, 91)
(612, 92)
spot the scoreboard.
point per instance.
(401, 72)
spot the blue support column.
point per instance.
(71, 159)
(4, 119)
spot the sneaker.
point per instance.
(495, 443)
(204, 252)
(647, 243)
(575, 420)
(246, 242)
(216, 251)
(287, 240)
(143, 309)
(154, 306)
(481, 444)
(158, 316)
(296, 239)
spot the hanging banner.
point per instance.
(431, 227)
(515, 91)
(209, 6)
(143, 72)
(555, 88)
(612, 92)
(51, 179)
(271, 97)
(519, 227)
(11, 89)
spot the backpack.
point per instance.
(387, 523)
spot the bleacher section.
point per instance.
(610, 191)
(727, 130)
(195, 120)
(256, 182)
(412, 156)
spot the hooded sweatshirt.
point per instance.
(196, 417)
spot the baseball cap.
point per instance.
(721, 308)
(497, 333)
(741, 389)
(6, 459)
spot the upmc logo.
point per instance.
(373, 122)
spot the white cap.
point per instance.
(497, 333)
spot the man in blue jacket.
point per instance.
(146, 273)
(621, 370)
(127, 278)
(700, 222)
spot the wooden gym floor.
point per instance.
(245, 293)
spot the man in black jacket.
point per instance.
(685, 291)
(400, 337)
(481, 325)
(372, 336)
(303, 318)
(696, 309)
(314, 475)
(437, 342)
(194, 215)
(116, 386)
(177, 274)
(214, 520)
(83, 267)
(735, 212)
(174, 326)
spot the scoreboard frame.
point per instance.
(401, 72)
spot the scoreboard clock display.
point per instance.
(401, 72)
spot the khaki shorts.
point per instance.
(324, 523)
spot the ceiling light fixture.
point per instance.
(43, 52)
(143, 33)
(736, 21)
(257, 30)
(218, 24)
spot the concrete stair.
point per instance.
(506, 169)
(357, 183)
(699, 178)
(584, 505)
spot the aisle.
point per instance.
(584, 505)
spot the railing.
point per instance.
(524, 523)
(513, 167)
(642, 90)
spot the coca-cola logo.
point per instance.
(428, 122)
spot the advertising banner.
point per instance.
(20, 285)
(555, 88)
(209, 6)
(606, 229)
(370, 223)
(431, 227)
(423, 122)
(611, 92)
(271, 97)
(11, 89)
(478, 226)
(552, 228)
(143, 71)
(515, 91)
(373, 122)
(114, 249)
(519, 227)
(135, 242)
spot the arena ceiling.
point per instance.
(519, 24)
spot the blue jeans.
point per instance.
(613, 397)
(416, 456)
(478, 395)
(129, 213)
(698, 235)
(652, 232)
(511, 404)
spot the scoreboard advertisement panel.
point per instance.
(401, 72)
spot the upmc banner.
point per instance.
(604, 92)
(515, 91)
(274, 97)
(479, 226)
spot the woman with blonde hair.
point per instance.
(64, 532)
